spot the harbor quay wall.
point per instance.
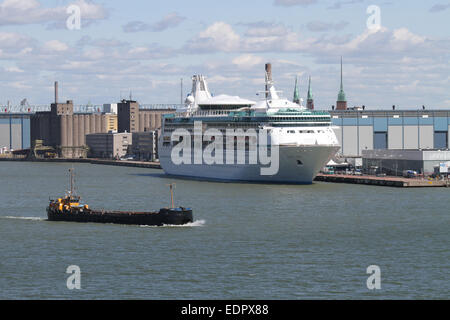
(136, 164)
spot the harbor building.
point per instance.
(144, 146)
(359, 130)
(128, 116)
(395, 162)
(109, 145)
(14, 131)
(110, 108)
(111, 122)
(133, 118)
(64, 130)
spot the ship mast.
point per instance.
(71, 181)
(171, 186)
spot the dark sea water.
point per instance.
(248, 241)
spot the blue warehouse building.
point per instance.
(15, 131)
(359, 130)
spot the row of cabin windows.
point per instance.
(300, 119)
(235, 146)
(288, 131)
(277, 119)
(306, 131)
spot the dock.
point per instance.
(123, 163)
(387, 181)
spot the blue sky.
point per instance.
(147, 46)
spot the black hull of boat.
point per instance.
(177, 216)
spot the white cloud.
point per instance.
(222, 79)
(410, 87)
(94, 54)
(220, 36)
(247, 61)
(171, 20)
(12, 40)
(90, 10)
(13, 70)
(26, 50)
(55, 45)
(21, 12)
(138, 50)
(289, 3)
(19, 85)
(267, 31)
(439, 7)
(320, 26)
(80, 66)
(404, 35)
(339, 4)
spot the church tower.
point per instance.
(341, 103)
(310, 99)
(296, 95)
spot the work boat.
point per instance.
(69, 208)
(232, 139)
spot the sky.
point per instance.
(396, 54)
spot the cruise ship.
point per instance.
(228, 138)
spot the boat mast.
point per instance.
(171, 186)
(72, 181)
(268, 78)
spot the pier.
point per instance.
(136, 164)
(388, 181)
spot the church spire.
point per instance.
(296, 95)
(341, 103)
(310, 99)
(310, 95)
(341, 95)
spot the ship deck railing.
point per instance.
(211, 113)
(215, 113)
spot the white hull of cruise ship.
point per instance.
(297, 165)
